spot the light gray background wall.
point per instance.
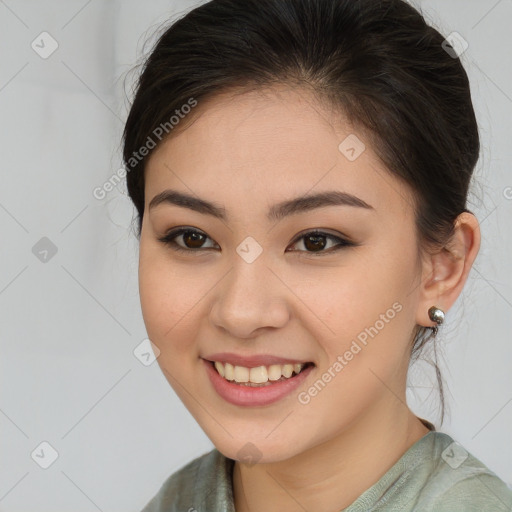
(69, 326)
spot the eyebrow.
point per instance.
(275, 213)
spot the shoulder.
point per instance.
(477, 493)
(460, 481)
(196, 486)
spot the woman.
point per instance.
(300, 169)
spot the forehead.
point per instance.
(268, 145)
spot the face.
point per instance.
(256, 287)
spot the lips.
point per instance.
(252, 361)
(248, 394)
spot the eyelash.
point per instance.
(168, 239)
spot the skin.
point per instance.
(247, 153)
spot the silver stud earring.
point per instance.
(436, 315)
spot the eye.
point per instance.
(190, 236)
(193, 240)
(316, 241)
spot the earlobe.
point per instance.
(445, 272)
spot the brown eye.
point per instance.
(193, 239)
(316, 241)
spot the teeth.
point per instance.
(259, 374)
(274, 372)
(287, 370)
(241, 374)
(229, 371)
(220, 368)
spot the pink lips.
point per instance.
(238, 394)
(250, 361)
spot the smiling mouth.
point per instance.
(259, 376)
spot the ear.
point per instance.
(445, 272)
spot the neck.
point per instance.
(330, 476)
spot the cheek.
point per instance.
(173, 296)
(366, 357)
(167, 296)
(367, 306)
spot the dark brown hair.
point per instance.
(376, 61)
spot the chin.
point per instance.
(255, 452)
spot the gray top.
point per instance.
(435, 474)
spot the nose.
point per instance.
(250, 297)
